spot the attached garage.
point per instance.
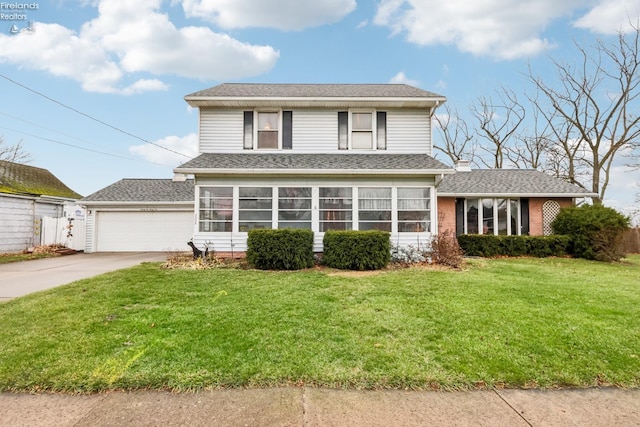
(140, 215)
(143, 231)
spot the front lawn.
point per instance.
(503, 322)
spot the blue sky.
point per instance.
(129, 64)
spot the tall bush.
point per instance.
(595, 231)
(287, 249)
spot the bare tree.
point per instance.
(593, 109)
(13, 153)
(497, 124)
(533, 143)
(455, 134)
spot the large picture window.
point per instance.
(255, 207)
(294, 207)
(414, 210)
(374, 209)
(215, 209)
(492, 216)
(336, 208)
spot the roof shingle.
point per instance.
(507, 182)
(342, 162)
(145, 190)
(313, 91)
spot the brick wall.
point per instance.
(446, 214)
(535, 213)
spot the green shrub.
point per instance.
(287, 249)
(357, 250)
(596, 231)
(488, 245)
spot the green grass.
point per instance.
(503, 322)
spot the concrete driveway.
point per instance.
(22, 278)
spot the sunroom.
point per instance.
(396, 199)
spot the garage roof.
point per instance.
(145, 190)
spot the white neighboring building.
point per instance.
(27, 194)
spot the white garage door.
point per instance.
(143, 231)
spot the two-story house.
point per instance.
(315, 156)
(320, 157)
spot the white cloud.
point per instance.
(186, 145)
(401, 78)
(611, 16)
(133, 37)
(504, 29)
(278, 14)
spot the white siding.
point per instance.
(315, 131)
(90, 239)
(20, 221)
(409, 132)
(221, 131)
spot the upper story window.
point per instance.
(267, 130)
(362, 130)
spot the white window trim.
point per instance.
(495, 215)
(315, 202)
(374, 130)
(256, 113)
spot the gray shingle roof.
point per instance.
(313, 91)
(145, 190)
(507, 182)
(343, 162)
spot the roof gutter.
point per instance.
(209, 171)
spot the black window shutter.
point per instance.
(343, 130)
(287, 130)
(459, 217)
(381, 130)
(248, 130)
(524, 217)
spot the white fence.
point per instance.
(69, 232)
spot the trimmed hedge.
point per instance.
(357, 250)
(286, 249)
(488, 245)
(596, 231)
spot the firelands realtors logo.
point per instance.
(18, 15)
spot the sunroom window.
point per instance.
(336, 208)
(255, 207)
(414, 210)
(374, 209)
(294, 207)
(215, 209)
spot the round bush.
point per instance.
(596, 231)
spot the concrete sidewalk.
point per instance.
(303, 406)
(21, 278)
